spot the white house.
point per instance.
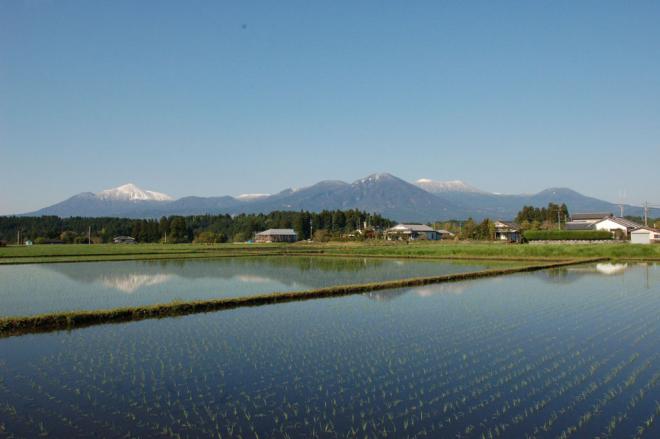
(611, 224)
(589, 217)
(507, 231)
(276, 235)
(124, 240)
(445, 234)
(412, 232)
(645, 235)
(586, 221)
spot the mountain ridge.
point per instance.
(381, 193)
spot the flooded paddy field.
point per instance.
(570, 352)
(40, 288)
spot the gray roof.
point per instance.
(413, 228)
(271, 232)
(590, 216)
(509, 224)
(570, 225)
(624, 222)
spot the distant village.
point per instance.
(620, 229)
(532, 225)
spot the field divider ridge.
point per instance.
(11, 326)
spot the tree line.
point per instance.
(196, 228)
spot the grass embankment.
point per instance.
(476, 250)
(114, 252)
(10, 326)
(449, 250)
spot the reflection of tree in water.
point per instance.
(559, 275)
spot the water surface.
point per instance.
(39, 288)
(572, 352)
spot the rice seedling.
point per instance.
(72, 319)
(518, 357)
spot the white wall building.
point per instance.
(612, 224)
(412, 232)
(645, 235)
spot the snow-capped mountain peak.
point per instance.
(435, 187)
(250, 197)
(375, 178)
(130, 192)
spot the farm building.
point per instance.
(586, 221)
(276, 235)
(507, 231)
(609, 222)
(445, 234)
(412, 232)
(124, 240)
(613, 224)
(645, 235)
(589, 217)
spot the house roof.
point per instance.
(412, 228)
(509, 224)
(622, 221)
(271, 232)
(570, 225)
(590, 216)
(643, 229)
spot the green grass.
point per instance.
(471, 250)
(463, 250)
(116, 252)
(10, 326)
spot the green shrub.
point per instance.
(557, 235)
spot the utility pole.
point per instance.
(89, 235)
(165, 237)
(18, 237)
(646, 213)
(311, 229)
(558, 219)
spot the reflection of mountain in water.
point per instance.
(424, 291)
(131, 282)
(303, 272)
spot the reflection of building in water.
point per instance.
(129, 283)
(609, 268)
(449, 288)
(573, 273)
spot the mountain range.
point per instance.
(386, 194)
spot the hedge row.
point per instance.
(561, 235)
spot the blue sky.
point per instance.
(214, 98)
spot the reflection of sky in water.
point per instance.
(38, 288)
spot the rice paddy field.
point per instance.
(30, 289)
(566, 352)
